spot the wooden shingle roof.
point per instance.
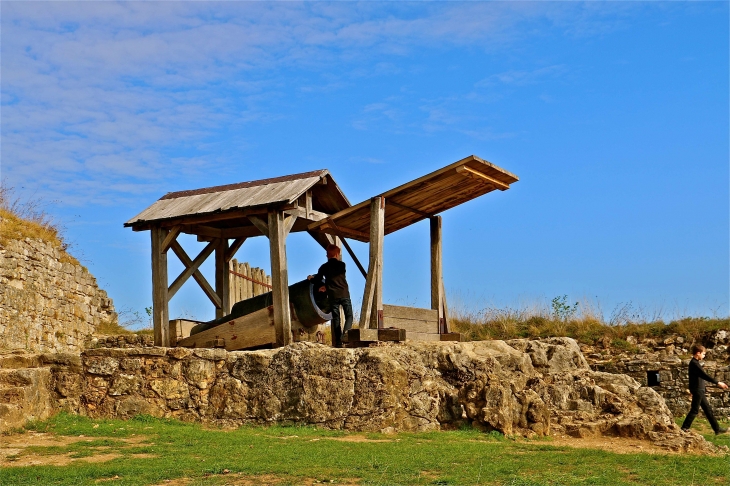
(193, 205)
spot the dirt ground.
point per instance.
(13, 450)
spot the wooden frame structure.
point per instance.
(225, 216)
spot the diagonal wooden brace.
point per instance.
(191, 269)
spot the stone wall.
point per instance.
(520, 387)
(47, 305)
(669, 357)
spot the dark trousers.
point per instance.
(338, 331)
(700, 400)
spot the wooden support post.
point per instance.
(160, 313)
(437, 286)
(279, 278)
(222, 279)
(371, 315)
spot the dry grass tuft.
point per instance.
(582, 323)
(20, 219)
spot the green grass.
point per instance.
(299, 455)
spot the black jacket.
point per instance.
(332, 276)
(698, 377)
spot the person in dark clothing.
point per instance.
(697, 379)
(331, 278)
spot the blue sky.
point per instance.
(613, 115)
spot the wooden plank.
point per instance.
(322, 238)
(423, 336)
(411, 325)
(392, 334)
(255, 329)
(222, 279)
(466, 171)
(403, 312)
(185, 259)
(191, 267)
(409, 209)
(362, 335)
(372, 301)
(437, 298)
(160, 312)
(288, 223)
(248, 292)
(260, 224)
(235, 246)
(452, 336)
(171, 236)
(447, 324)
(279, 278)
(180, 329)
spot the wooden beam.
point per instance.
(437, 298)
(251, 330)
(171, 236)
(185, 259)
(261, 225)
(327, 228)
(279, 278)
(288, 223)
(222, 278)
(469, 172)
(308, 214)
(324, 239)
(237, 243)
(160, 312)
(371, 315)
(447, 323)
(349, 250)
(407, 208)
(190, 266)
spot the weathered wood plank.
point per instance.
(452, 336)
(191, 268)
(403, 312)
(171, 236)
(371, 316)
(260, 224)
(279, 278)
(180, 329)
(363, 335)
(411, 325)
(235, 246)
(160, 312)
(423, 336)
(466, 171)
(437, 298)
(255, 329)
(222, 279)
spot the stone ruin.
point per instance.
(518, 387)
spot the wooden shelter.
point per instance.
(423, 198)
(225, 216)
(312, 202)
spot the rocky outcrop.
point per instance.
(520, 387)
(47, 305)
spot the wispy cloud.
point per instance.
(102, 100)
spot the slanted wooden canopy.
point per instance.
(269, 207)
(422, 198)
(425, 197)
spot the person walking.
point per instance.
(331, 278)
(697, 379)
